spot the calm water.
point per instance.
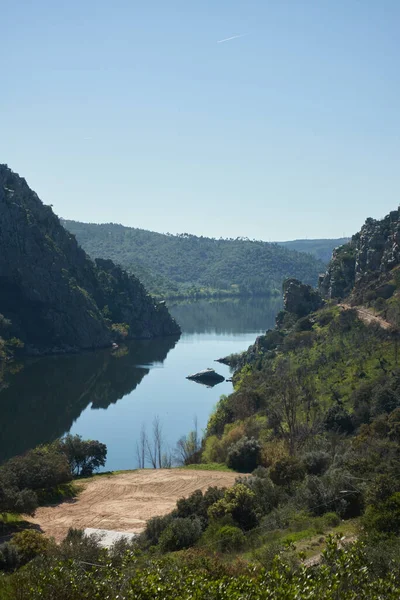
(108, 396)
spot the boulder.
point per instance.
(208, 377)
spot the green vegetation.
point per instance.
(190, 266)
(320, 249)
(44, 475)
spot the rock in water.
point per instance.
(57, 299)
(207, 377)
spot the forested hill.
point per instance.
(320, 249)
(52, 296)
(174, 264)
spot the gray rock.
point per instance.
(208, 377)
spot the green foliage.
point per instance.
(239, 503)
(224, 538)
(9, 558)
(287, 471)
(30, 543)
(84, 456)
(244, 456)
(180, 533)
(346, 573)
(316, 462)
(187, 265)
(338, 419)
(383, 517)
(198, 503)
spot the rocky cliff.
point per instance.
(369, 256)
(56, 298)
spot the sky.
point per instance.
(135, 112)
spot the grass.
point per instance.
(11, 522)
(208, 467)
(60, 493)
(307, 542)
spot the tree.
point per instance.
(188, 447)
(295, 414)
(84, 456)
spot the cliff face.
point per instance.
(56, 298)
(370, 254)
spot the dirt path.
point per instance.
(367, 315)
(125, 501)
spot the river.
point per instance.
(110, 396)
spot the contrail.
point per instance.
(233, 37)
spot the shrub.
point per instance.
(287, 471)
(240, 503)
(155, 527)
(40, 468)
(180, 534)
(384, 517)
(244, 456)
(316, 462)
(338, 419)
(30, 543)
(229, 538)
(197, 504)
(79, 546)
(9, 557)
(267, 494)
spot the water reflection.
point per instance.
(50, 396)
(41, 401)
(236, 316)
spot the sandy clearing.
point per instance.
(367, 315)
(125, 501)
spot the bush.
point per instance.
(40, 468)
(287, 471)
(155, 527)
(240, 503)
(267, 494)
(229, 538)
(9, 557)
(79, 546)
(30, 543)
(180, 534)
(384, 517)
(244, 456)
(316, 462)
(197, 504)
(338, 419)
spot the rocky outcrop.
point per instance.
(375, 250)
(208, 377)
(56, 298)
(300, 299)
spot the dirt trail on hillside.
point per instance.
(125, 501)
(367, 315)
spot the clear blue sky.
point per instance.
(131, 112)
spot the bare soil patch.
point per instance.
(367, 315)
(125, 501)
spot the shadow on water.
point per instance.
(40, 401)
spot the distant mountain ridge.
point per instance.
(173, 264)
(52, 296)
(322, 249)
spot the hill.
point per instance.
(53, 297)
(320, 249)
(173, 265)
(314, 417)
